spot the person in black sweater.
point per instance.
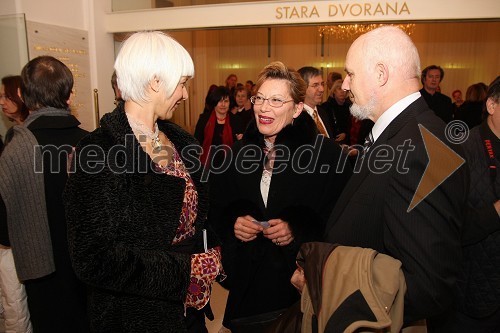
(439, 103)
(337, 108)
(477, 308)
(471, 111)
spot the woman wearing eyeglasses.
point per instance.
(278, 192)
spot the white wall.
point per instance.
(11, 58)
(66, 13)
(10, 7)
(14, 53)
(102, 53)
(78, 14)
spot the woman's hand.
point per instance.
(205, 267)
(279, 232)
(246, 229)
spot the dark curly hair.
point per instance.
(216, 96)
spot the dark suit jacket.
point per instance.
(339, 116)
(441, 104)
(372, 213)
(323, 114)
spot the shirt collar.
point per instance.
(309, 109)
(391, 113)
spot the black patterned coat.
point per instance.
(122, 217)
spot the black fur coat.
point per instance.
(303, 190)
(122, 217)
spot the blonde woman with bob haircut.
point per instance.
(266, 204)
(136, 223)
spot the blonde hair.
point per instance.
(278, 71)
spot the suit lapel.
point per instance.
(323, 114)
(358, 178)
(352, 186)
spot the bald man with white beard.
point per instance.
(383, 69)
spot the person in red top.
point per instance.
(217, 129)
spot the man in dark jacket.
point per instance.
(314, 96)
(33, 173)
(439, 103)
(376, 209)
(478, 286)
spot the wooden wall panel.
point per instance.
(469, 52)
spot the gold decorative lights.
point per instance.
(352, 31)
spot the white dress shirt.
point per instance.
(388, 116)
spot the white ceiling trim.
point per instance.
(300, 12)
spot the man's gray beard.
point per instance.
(363, 112)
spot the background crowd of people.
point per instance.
(118, 230)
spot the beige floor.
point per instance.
(218, 303)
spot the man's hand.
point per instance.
(349, 150)
(496, 204)
(340, 137)
(298, 279)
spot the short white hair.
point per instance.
(145, 56)
(392, 46)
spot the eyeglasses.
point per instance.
(316, 85)
(275, 102)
